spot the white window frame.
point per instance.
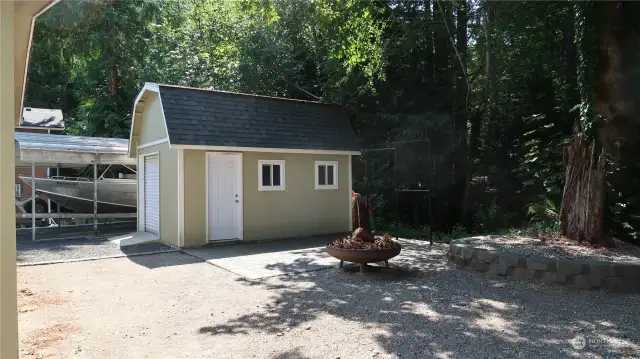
(335, 175)
(18, 190)
(281, 187)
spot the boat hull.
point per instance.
(85, 206)
(114, 195)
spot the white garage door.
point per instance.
(152, 194)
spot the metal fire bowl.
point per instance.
(363, 256)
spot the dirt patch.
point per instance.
(44, 343)
(28, 301)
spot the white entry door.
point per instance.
(151, 193)
(224, 191)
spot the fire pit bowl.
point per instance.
(364, 256)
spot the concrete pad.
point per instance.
(268, 259)
(131, 239)
(80, 249)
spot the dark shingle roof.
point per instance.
(216, 118)
(42, 117)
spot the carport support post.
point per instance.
(33, 201)
(95, 198)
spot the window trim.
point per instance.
(318, 186)
(281, 187)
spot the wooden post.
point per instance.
(95, 198)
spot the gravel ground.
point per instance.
(556, 248)
(175, 306)
(64, 249)
(77, 231)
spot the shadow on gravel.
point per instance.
(237, 249)
(292, 354)
(433, 310)
(86, 248)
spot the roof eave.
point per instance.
(265, 149)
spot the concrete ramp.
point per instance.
(131, 239)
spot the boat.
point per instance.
(115, 195)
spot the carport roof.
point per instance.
(48, 149)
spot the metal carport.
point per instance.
(50, 150)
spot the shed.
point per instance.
(216, 166)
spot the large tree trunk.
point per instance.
(603, 32)
(581, 215)
(444, 57)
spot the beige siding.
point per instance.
(299, 210)
(8, 116)
(152, 127)
(168, 191)
(195, 192)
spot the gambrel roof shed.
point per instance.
(222, 166)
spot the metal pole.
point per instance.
(430, 189)
(395, 189)
(57, 174)
(33, 201)
(366, 175)
(95, 198)
(48, 199)
(58, 204)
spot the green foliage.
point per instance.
(544, 210)
(585, 35)
(496, 142)
(491, 218)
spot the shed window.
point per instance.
(326, 175)
(270, 175)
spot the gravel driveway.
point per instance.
(173, 305)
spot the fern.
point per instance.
(544, 210)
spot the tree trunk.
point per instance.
(443, 52)
(603, 32)
(462, 175)
(474, 136)
(111, 57)
(491, 89)
(581, 215)
(429, 47)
